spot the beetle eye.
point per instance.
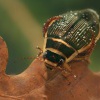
(44, 55)
(60, 62)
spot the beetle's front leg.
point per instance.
(40, 51)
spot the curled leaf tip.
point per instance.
(3, 55)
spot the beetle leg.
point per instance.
(67, 70)
(40, 51)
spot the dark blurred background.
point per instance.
(21, 24)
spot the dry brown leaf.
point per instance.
(38, 83)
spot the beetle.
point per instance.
(68, 36)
